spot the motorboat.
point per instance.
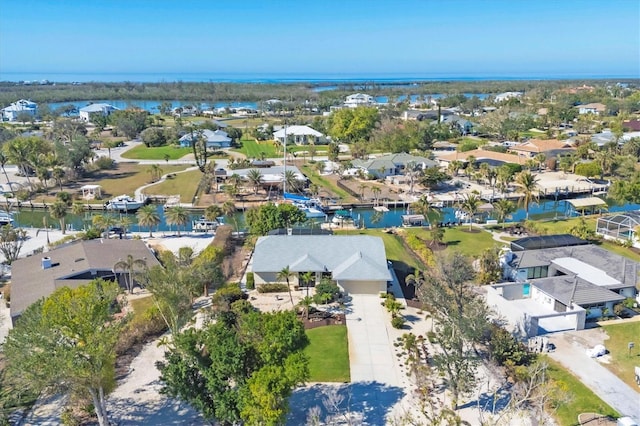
(5, 218)
(342, 216)
(126, 203)
(204, 225)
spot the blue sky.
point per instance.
(356, 37)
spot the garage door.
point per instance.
(363, 287)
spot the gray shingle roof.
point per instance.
(30, 282)
(561, 289)
(348, 257)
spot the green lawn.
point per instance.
(140, 305)
(184, 184)
(253, 149)
(322, 182)
(582, 399)
(141, 152)
(328, 353)
(460, 240)
(622, 362)
(132, 176)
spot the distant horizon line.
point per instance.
(291, 77)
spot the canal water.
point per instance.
(546, 209)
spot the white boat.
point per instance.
(204, 225)
(310, 208)
(5, 219)
(342, 216)
(126, 203)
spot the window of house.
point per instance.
(537, 272)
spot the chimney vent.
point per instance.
(46, 262)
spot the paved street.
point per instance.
(571, 353)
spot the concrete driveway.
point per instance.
(571, 353)
(371, 356)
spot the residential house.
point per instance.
(215, 139)
(359, 99)
(422, 115)
(557, 282)
(185, 111)
(493, 158)
(300, 135)
(272, 176)
(548, 147)
(391, 165)
(19, 109)
(71, 265)
(592, 108)
(458, 123)
(356, 263)
(631, 125)
(501, 97)
(99, 108)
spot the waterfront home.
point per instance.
(482, 156)
(458, 123)
(99, 108)
(557, 282)
(592, 108)
(356, 263)
(391, 165)
(359, 99)
(501, 97)
(300, 135)
(215, 139)
(21, 108)
(71, 265)
(549, 147)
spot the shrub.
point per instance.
(251, 283)
(629, 302)
(420, 248)
(618, 309)
(398, 321)
(326, 291)
(228, 294)
(431, 337)
(273, 288)
(104, 163)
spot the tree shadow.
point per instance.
(370, 402)
(166, 411)
(490, 401)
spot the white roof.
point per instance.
(296, 131)
(97, 108)
(585, 271)
(273, 174)
(347, 257)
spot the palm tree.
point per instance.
(376, 193)
(228, 208)
(255, 177)
(177, 215)
(503, 208)
(58, 174)
(103, 222)
(454, 167)
(529, 184)
(308, 277)
(422, 206)
(284, 274)
(212, 212)
(125, 223)
(470, 206)
(128, 267)
(148, 216)
(155, 171)
(291, 181)
(362, 187)
(58, 210)
(412, 170)
(3, 162)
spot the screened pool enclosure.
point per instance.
(622, 227)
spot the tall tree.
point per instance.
(178, 216)
(528, 184)
(67, 343)
(255, 178)
(460, 315)
(470, 205)
(503, 208)
(130, 267)
(11, 242)
(148, 216)
(58, 211)
(285, 274)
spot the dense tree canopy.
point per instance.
(242, 367)
(352, 124)
(66, 343)
(269, 216)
